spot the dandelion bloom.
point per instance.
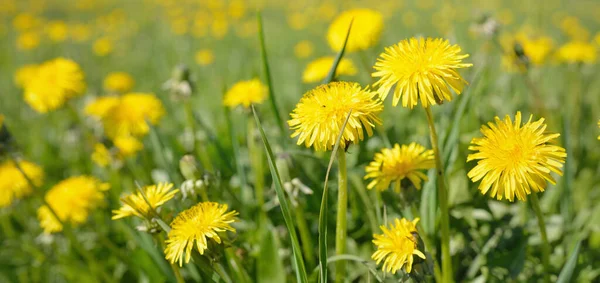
(135, 204)
(127, 145)
(515, 159)
(100, 107)
(397, 163)
(120, 82)
(397, 246)
(72, 199)
(57, 31)
(577, 52)
(13, 185)
(537, 49)
(101, 155)
(204, 57)
(28, 40)
(421, 69)
(204, 220)
(131, 115)
(54, 83)
(102, 46)
(367, 26)
(303, 49)
(321, 113)
(318, 69)
(25, 74)
(246, 93)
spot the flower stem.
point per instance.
(307, 244)
(256, 161)
(340, 230)
(535, 204)
(442, 200)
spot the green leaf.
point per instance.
(331, 74)
(270, 267)
(283, 202)
(567, 272)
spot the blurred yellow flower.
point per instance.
(421, 70)
(193, 226)
(537, 49)
(303, 49)
(13, 185)
(397, 246)
(80, 32)
(100, 107)
(367, 26)
(101, 155)
(57, 31)
(1, 120)
(72, 200)
(120, 82)
(204, 57)
(25, 21)
(55, 82)
(237, 9)
(392, 165)
(572, 27)
(131, 115)
(102, 46)
(127, 145)
(298, 21)
(577, 52)
(25, 74)
(515, 159)
(246, 93)
(28, 40)
(318, 69)
(319, 116)
(219, 28)
(135, 205)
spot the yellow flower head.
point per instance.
(57, 31)
(367, 26)
(100, 107)
(397, 246)
(320, 115)
(127, 145)
(395, 164)
(303, 49)
(25, 74)
(101, 155)
(515, 159)
(246, 93)
(120, 82)
(204, 220)
(577, 52)
(13, 185)
(135, 204)
(204, 57)
(102, 46)
(54, 83)
(421, 69)
(318, 69)
(28, 40)
(72, 199)
(129, 115)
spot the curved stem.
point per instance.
(341, 224)
(535, 204)
(442, 200)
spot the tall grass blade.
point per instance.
(338, 58)
(567, 272)
(283, 202)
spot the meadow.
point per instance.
(299, 141)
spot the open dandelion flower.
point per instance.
(128, 146)
(120, 82)
(136, 205)
(54, 83)
(397, 163)
(318, 69)
(421, 70)
(577, 52)
(100, 107)
(204, 220)
(320, 115)
(13, 185)
(515, 159)
(25, 74)
(367, 26)
(246, 93)
(131, 115)
(397, 246)
(101, 155)
(72, 199)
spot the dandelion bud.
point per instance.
(189, 167)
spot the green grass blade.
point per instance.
(567, 271)
(267, 73)
(338, 58)
(285, 209)
(357, 259)
(269, 265)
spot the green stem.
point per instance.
(437, 272)
(535, 204)
(161, 242)
(256, 161)
(442, 200)
(198, 148)
(340, 230)
(307, 243)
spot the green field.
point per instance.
(90, 146)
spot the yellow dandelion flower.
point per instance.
(72, 200)
(320, 115)
(25, 74)
(246, 93)
(129, 115)
(515, 159)
(101, 155)
(204, 57)
(54, 83)
(537, 49)
(102, 46)
(57, 31)
(397, 246)
(195, 225)
(318, 69)
(397, 163)
(128, 145)
(237, 9)
(80, 32)
(219, 28)
(303, 49)
(28, 40)
(135, 204)
(25, 21)
(13, 185)
(118, 82)
(100, 107)
(367, 26)
(577, 52)
(421, 69)
(299, 21)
